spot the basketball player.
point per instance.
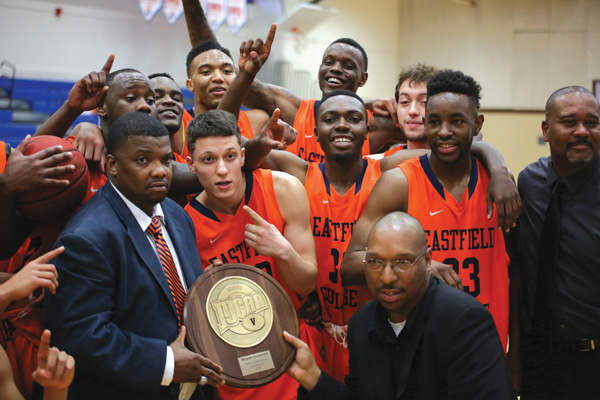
(55, 369)
(337, 190)
(344, 66)
(210, 72)
(445, 191)
(169, 107)
(259, 218)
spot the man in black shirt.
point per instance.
(559, 236)
(419, 338)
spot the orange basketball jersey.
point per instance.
(243, 124)
(332, 220)
(306, 146)
(460, 234)
(221, 236)
(395, 150)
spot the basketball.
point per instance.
(49, 202)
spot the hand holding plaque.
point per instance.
(236, 315)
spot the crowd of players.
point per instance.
(310, 192)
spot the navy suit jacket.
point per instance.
(113, 310)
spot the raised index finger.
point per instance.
(257, 219)
(49, 255)
(271, 36)
(108, 65)
(44, 345)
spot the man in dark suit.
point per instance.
(129, 257)
(419, 338)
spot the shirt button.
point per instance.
(562, 327)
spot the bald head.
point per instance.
(551, 103)
(399, 223)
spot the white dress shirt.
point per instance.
(144, 220)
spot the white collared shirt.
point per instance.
(144, 220)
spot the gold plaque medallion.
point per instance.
(239, 311)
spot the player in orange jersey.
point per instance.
(257, 218)
(337, 190)
(54, 369)
(446, 191)
(210, 72)
(344, 66)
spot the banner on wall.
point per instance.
(173, 9)
(217, 13)
(237, 15)
(150, 8)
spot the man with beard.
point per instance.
(559, 242)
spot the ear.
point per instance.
(111, 165)
(478, 124)
(363, 79)
(368, 128)
(189, 86)
(243, 153)
(545, 130)
(316, 132)
(191, 165)
(101, 111)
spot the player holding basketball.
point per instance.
(446, 192)
(344, 66)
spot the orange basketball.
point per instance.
(49, 202)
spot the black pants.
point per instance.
(558, 374)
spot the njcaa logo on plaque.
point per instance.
(239, 311)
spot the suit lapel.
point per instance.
(190, 271)
(140, 241)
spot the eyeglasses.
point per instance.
(377, 265)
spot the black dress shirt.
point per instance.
(576, 305)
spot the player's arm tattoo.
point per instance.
(269, 97)
(382, 130)
(198, 28)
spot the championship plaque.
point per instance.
(235, 315)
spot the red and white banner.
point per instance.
(150, 8)
(173, 9)
(217, 13)
(237, 15)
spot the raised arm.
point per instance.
(275, 135)
(198, 28)
(294, 249)
(88, 93)
(269, 97)
(390, 193)
(501, 188)
(253, 55)
(383, 130)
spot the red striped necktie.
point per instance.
(166, 260)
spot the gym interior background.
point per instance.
(519, 50)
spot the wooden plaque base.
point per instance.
(272, 355)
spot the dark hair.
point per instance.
(343, 92)
(355, 44)
(112, 76)
(448, 80)
(417, 73)
(565, 90)
(201, 48)
(161, 74)
(133, 124)
(211, 124)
